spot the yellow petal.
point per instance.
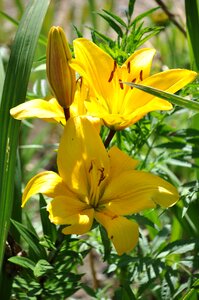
(80, 146)
(120, 162)
(96, 67)
(62, 207)
(122, 232)
(139, 64)
(47, 183)
(80, 223)
(39, 108)
(169, 81)
(133, 191)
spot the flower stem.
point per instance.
(93, 271)
(109, 138)
(67, 112)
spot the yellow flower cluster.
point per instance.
(93, 183)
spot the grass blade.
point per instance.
(175, 99)
(14, 92)
(2, 77)
(192, 20)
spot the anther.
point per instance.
(91, 167)
(121, 84)
(129, 67)
(141, 75)
(133, 81)
(102, 176)
(112, 72)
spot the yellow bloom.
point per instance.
(60, 75)
(52, 111)
(116, 103)
(95, 184)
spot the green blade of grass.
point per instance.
(175, 99)
(2, 77)
(192, 21)
(14, 92)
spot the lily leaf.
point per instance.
(175, 99)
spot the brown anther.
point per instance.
(121, 84)
(114, 217)
(141, 75)
(102, 176)
(112, 72)
(133, 81)
(91, 167)
(129, 67)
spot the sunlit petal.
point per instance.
(122, 232)
(39, 108)
(80, 223)
(88, 55)
(139, 64)
(62, 207)
(169, 81)
(133, 191)
(47, 183)
(81, 145)
(120, 162)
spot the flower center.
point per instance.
(96, 178)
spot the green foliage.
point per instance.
(18, 71)
(41, 277)
(130, 35)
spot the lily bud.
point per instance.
(60, 75)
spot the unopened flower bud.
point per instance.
(60, 75)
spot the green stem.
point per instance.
(109, 138)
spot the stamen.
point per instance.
(129, 67)
(80, 79)
(91, 167)
(102, 176)
(121, 84)
(133, 81)
(112, 72)
(141, 75)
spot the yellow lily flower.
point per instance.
(95, 184)
(116, 103)
(52, 111)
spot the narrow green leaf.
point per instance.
(9, 18)
(92, 8)
(116, 18)
(2, 76)
(49, 228)
(143, 15)
(101, 35)
(23, 262)
(14, 93)
(106, 243)
(42, 267)
(192, 22)
(131, 7)
(113, 24)
(179, 247)
(31, 239)
(175, 99)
